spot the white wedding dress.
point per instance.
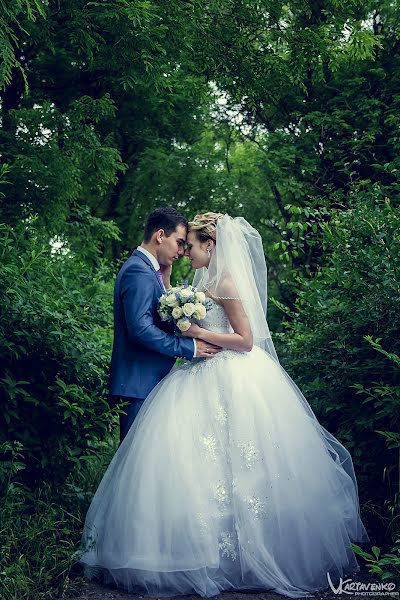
(225, 482)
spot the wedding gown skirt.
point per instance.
(226, 481)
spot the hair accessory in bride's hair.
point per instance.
(206, 224)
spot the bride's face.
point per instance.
(198, 252)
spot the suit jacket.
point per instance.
(144, 348)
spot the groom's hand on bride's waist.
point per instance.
(206, 350)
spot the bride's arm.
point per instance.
(241, 339)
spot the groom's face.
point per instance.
(172, 247)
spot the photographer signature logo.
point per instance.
(358, 588)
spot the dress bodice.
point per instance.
(216, 318)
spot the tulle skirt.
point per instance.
(226, 481)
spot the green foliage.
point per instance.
(37, 539)
(55, 349)
(57, 158)
(11, 462)
(40, 530)
(11, 26)
(287, 114)
(386, 566)
(104, 85)
(332, 342)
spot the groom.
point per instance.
(145, 348)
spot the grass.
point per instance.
(40, 532)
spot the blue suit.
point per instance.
(144, 348)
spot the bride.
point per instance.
(226, 480)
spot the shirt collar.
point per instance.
(151, 258)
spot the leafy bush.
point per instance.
(386, 566)
(343, 334)
(55, 313)
(37, 538)
(40, 530)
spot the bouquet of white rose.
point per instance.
(181, 304)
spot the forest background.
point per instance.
(287, 113)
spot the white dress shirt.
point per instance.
(156, 266)
(151, 257)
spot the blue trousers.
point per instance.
(130, 412)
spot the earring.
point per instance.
(208, 252)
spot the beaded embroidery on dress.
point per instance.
(223, 483)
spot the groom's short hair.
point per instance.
(167, 218)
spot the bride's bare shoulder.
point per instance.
(226, 290)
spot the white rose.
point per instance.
(171, 300)
(177, 312)
(183, 324)
(199, 311)
(200, 297)
(186, 293)
(163, 300)
(188, 309)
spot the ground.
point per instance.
(95, 591)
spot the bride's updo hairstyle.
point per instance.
(205, 226)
